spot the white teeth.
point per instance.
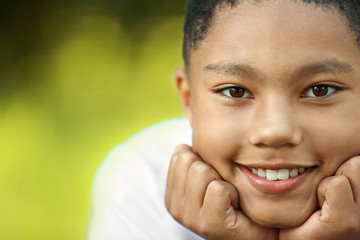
(280, 174)
(283, 174)
(261, 173)
(294, 172)
(271, 174)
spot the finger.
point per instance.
(170, 181)
(311, 229)
(199, 177)
(337, 198)
(220, 207)
(338, 217)
(178, 166)
(182, 147)
(185, 159)
(176, 184)
(221, 196)
(350, 169)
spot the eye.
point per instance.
(235, 92)
(321, 90)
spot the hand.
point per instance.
(339, 199)
(199, 199)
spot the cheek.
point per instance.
(336, 139)
(217, 140)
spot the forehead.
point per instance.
(275, 29)
(270, 16)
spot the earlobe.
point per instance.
(183, 88)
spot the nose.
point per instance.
(274, 124)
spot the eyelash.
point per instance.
(239, 90)
(308, 93)
(323, 86)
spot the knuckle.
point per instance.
(183, 158)
(334, 182)
(200, 168)
(186, 153)
(351, 164)
(175, 157)
(186, 156)
(339, 181)
(216, 187)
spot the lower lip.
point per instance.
(277, 186)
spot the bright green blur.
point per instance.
(93, 88)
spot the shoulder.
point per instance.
(150, 144)
(129, 185)
(166, 132)
(146, 153)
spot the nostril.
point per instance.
(262, 138)
(261, 145)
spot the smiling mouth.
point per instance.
(276, 181)
(276, 175)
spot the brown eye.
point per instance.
(236, 92)
(321, 90)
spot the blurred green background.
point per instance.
(76, 78)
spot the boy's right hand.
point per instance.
(199, 199)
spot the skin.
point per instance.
(277, 123)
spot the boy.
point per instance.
(271, 91)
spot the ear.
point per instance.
(183, 88)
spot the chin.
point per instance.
(280, 214)
(279, 222)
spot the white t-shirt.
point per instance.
(129, 187)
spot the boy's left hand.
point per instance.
(339, 199)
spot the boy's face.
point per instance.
(275, 85)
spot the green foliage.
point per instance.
(85, 81)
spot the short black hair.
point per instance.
(199, 15)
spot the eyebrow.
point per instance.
(242, 70)
(329, 65)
